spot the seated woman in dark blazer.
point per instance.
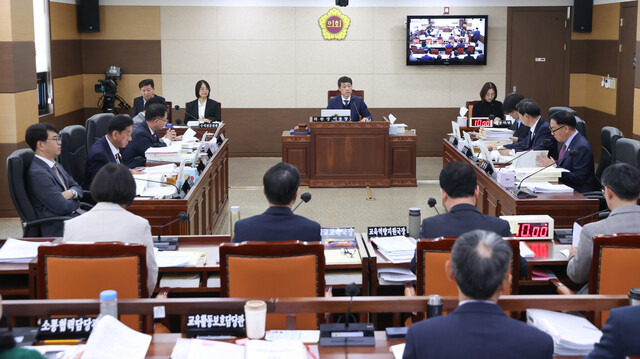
(488, 105)
(202, 108)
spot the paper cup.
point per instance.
(255, 312)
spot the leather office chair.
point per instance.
(97, 126)
(334, 93)
(555, 109)
(274, 270)
(614, 265)
(18, 164)
(73, 155)
(83, 270)
(627, 150)
(608, 137)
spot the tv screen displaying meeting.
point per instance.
(446, 40)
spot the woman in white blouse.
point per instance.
(203, 108)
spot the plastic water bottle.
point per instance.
(108, 303)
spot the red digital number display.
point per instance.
(479, 122)
(533, 230)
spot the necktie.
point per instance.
(154, 137)
(346, 103)
(57, 172)
(118, 158)
(563, 151)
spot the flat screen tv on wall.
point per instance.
(446, 40)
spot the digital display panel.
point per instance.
(532, 230)
(481, 122)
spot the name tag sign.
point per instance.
(65, 328)
(486, 166)
(467, 152)
(209, 153)
(232, 324)
(453, 140)
(330, 119)
(201, 166)
(386, 231)
(209, 124)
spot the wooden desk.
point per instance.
(352, 154)
(200, 131)
(205, 203)
(497, 201)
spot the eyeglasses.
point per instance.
(554, 131)
(348, 253)
(56, 139)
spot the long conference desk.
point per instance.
(497, 201)
(352, 154)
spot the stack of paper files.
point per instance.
(395, 274)
(396, 249)
(496, 134)
(16, 251)
(546, 175)
(546, 187)
(178, 258)
(572, 335)
(170, 153)
(253, 349)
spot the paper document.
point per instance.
(306, 336)
(528, 159)
(162, 169)
(398, 350)
(112, 339)
(577, 230)
(189, 135)
(525, 251)
(546, 187)
(180, 280)
(178, 258)
(396, 249)
(164, 191)
(213, 349)
(572, 335)
(342, 256)
(17, 251)
(281, 349)
(396, 274)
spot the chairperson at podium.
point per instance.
(202, 109)
(108, 221)
(347, 101)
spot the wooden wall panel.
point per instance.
(605, 23)
(127, 23)
(5, 21)
(63, 21)
(66, 58)
(132, 56)
(17, 66)
(20, 20)
(636, 110)
(585, 91)
(19, 111)
(68, 94)
(602, 57)
(127, 87)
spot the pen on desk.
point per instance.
(216, 337)
(310, 352)
(62, 341)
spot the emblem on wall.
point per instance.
(334, 25)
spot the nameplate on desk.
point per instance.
(486, 166)
(209, 124)
(468, 152)
(201, 166)
(386, 231)
(65, 328)
(209, 153)
(219, 324)
(330, 119)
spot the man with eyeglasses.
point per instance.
(52, 191)
(539, 137)
(576, 154)
(146, 135)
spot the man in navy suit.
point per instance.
(146, 135)
(52, 191)
(359, 110)
(147, 88)
(520, 130)
(107, 148)
(459, 188)
(478, 328)
(619, 335)
(576, 154)
(539, 137)
(278, 223)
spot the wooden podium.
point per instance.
(352, 154)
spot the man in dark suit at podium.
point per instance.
(107, 148)
(278, 223)
(359, 110)
(146, 87)
(478, 328)
(539, 137)
(146, 135)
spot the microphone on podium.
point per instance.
(524, 193)
(177, 107)
(182, 217)
(305, 197)
(432, 203)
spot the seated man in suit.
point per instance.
(478, 328)
(278, 223)
(619, 335)
(107, 148)
(52, 191)
(359, 110)
(459, 188)
(139, 118)
(576, 154)
(520, 130)
(621, 191)
(146, 135)
(146, 89)
(539, 137)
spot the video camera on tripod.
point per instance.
(109, 90)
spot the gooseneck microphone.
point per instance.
(161, 182)
(177, 107)
(182, 217)
(350, 290)
(432, 203)
(520, 193)
(305, 197)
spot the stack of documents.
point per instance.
(396, 249)
(178, 258)
(550, 174)
(395, 274)
(572, 335)
(496, 134)
(170, 153)
(546, 187)
(16, 251)
(279, 349)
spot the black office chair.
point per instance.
(18, 164)
(73, 155)
(97, 126)
(608, 137)
(581, 126)
(628, 151)
(555, 109)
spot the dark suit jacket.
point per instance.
(459, 220)
(211, 111)
(99, 155)
(476, 330)
(356, 104)
(45, 192)
(141, 140)
(484, 109)
(276, 224)
(138, 105)
(542, 132)
(581, 178)
(619, 335)
(521, 131)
